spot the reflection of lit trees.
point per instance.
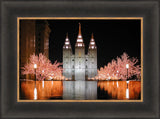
(49, 90)
(134, 89)
(117, 89)
(116, 69)
(45, 69)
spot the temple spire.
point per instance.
(67, 39)
(66, 35)
(92, 44)
(67, 44)
(79, 32)
(79, 29)
(79, 42)
(92, 37)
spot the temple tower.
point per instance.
(67, 52)
(79, 57)
(92, 58)
(80, 65)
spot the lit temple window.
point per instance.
(67, 43)
(79, 40)
(79, 36)
(92, 43)
(67, 47)
(92, 47)
(66, 39)
(79, 45)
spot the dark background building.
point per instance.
(34, 38)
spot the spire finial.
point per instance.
(92, 37)
(79, 28)
(67, 35)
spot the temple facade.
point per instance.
(79, 65)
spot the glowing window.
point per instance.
(67, 43)
(79, 40)
(66, 39)
(79, 36)
(79, 45)
(92, 43)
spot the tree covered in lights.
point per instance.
(116, 69)
(45, 69)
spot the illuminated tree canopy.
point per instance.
(116, 69)
(45, 69)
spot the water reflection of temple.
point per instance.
(80, 90)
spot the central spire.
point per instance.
(67, 35)
(79, 33)
(79, 29)
(92, 37)
(79, 42)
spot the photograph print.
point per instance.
(80, 59)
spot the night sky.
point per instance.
(112, 37)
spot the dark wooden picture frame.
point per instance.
(147, 9)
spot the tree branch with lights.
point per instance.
(122, 68)
(44, 68)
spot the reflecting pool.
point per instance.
(80, 90)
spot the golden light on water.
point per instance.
(127, 93)
(35, 93)
(47, 90)
(43, 84)
(43, 90)
(120, 90)
(117, 84)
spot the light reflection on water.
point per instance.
(80, 90)
(35, 93)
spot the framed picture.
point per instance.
(80, 59)
(86, 74)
